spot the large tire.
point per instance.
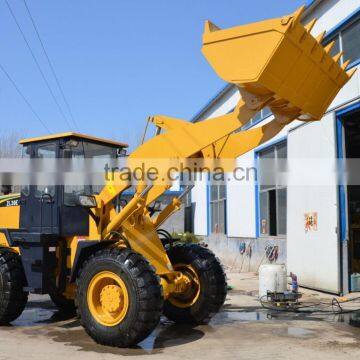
(13, 298)
(212, 285)
(140, 295)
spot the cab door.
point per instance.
(74, 219)
(40, 202)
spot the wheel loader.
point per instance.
(113, 264)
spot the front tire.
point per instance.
(208, 294)
(13, 298)
(119, 298)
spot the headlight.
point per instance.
(87, 201)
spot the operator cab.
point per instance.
(54, 209)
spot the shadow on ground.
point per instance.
(41, 318)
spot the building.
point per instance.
(249, 225)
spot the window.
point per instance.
(218, 209)
(336, 48)
(99, 151)
(261, 115)
(46, 151)
(273, 195)
(80, 150)
(189, 213)
(265, 112)
(256, 118)
(187, 200)
(348, 41)
(25, 154)
(102, 152)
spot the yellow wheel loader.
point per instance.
(111, 263)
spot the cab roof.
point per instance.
(73, 135)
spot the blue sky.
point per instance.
(118, 61)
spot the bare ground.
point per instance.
(242, 330)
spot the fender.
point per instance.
(85, 249)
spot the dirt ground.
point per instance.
(243, 330)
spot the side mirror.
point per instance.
(87, 201)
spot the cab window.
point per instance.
(25, 154)
(74, 151)
(46, 151)
(79, 150)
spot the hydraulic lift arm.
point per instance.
(275, 63)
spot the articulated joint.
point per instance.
(175, 283)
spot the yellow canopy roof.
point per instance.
(73, 135)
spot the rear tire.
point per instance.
(119, 298)
(212, 285)
(13, 298)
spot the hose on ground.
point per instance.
(320, 307)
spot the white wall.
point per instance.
(314, 255)
(199, 197)
(223, 105)
(241, 202)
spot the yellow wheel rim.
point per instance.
(188, 297)
(108, 298)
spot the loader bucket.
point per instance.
(279, 57)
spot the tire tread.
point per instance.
(214, 289)
(149, 302)
(13, 298)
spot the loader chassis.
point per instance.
(112, 265)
